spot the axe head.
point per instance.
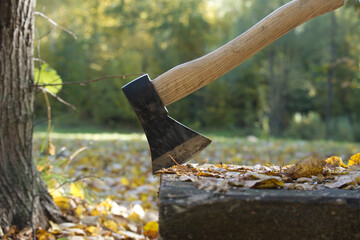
(166, 136)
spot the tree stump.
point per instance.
(186, 212)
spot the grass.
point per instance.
(225, 148)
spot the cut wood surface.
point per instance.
(187, 212)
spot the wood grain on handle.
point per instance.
(188, 77)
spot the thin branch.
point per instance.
(77, 179)
(56, 25)
(82, 83)
(58, 98)
(39, 60)
(174, 160)
(47, 33)
(49, 144)
(73, 156)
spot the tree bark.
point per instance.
(331, 76)
(24, 200)
(277, 91)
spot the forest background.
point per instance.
(305, 85)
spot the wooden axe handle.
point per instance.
(188, 77)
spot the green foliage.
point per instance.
(341, 129)
(48, 75)
(353, 3)
(306, 126)
(267, 91)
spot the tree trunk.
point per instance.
(277, 94)
(331, 76)
(24, 200)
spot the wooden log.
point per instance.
(186, 212)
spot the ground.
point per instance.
(103, 181)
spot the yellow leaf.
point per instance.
(95, 212)
(62, 202)
(111, 224)
(76, 191)
(137, 213)
(50, 149)
(151, 230)
(124, 181)
(44, 235)
(40, 168)
(334, 161)
(306, 168)
(106, 204)
(354, 160)
(93, 230)
(55, 193)
(79, 211)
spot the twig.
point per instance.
(92, 80)
(59, 99)
(39, 60)
(56, 25)
(72, 156)
(173, 159)
(76, 179)
(48, 106)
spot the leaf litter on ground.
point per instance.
(308, 174)
(107, 191)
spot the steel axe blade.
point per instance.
(167, 137)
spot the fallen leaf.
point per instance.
(95, 212)
(44, 235)
(111, 224)
(62, 202)
(67, 225)
(306, 168)
(303, 180)
(266, 183)
(151, 230)
(124, 181)
(79, 211)
(137, 213)
(304, 186)
(188, 178)
(210, 184)
(93, 230)
(76, 191)
(335, 161)
(354, 160)
(342, 181)
(132, 235)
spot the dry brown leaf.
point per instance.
(211, 184)
(342, 181)
(188, 178)
(305, 186)
(265, 183)
(303, 180)
(305, 168)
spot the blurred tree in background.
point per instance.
(305, 85)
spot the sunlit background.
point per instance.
(305, 85)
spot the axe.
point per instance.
(168, 139)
